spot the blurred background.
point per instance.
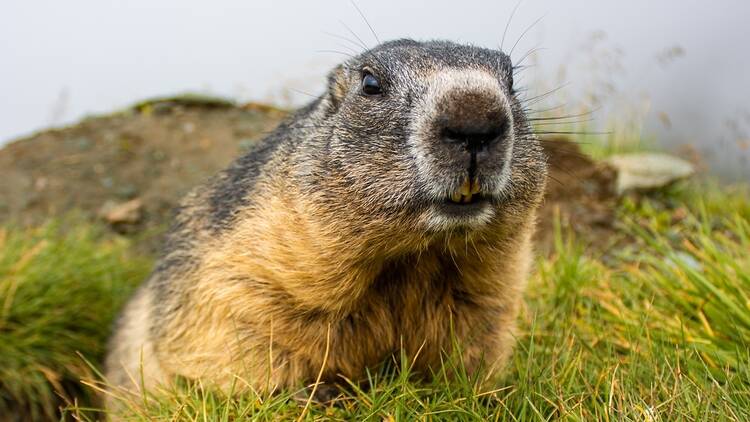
(670, 74)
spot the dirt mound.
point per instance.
(154, 152)
(131, 168)
(581, 192)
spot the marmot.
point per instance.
(393, 214)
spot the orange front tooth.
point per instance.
(466, 199)
(456, 197)
(475, 186)
(466, 188)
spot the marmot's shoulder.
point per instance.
(232, 188)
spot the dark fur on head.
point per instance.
(390, 218)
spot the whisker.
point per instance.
(570, 153)
(573, 133)
(529, 53)
(518, 69)
(353, 51)
(570, 116)
(563, 122)
(570, 141)
(530, 112)
(507, 24)
(341, 37)
(555, 179)
(555, 165)
(299, 91)
(524, 33)
(362, 43)
(334, 51)
(366, 21)
(536, 99)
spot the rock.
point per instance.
(648, 171)
(129, 212)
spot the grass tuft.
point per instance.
(657, 332)
(658, 329)
(59, 290)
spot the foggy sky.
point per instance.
(679, 67)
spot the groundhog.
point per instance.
(391, 215)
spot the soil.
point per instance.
(145, 158)
(581, 195)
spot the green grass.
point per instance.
(59, 290)
(658, 329)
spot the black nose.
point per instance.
(476, 138)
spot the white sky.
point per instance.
(61, 60)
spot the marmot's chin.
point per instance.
(467, 214)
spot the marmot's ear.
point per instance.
(336, 87)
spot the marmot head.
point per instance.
(422, 136)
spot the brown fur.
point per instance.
(256, 303)
(469, 284)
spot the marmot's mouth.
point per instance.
(468, 193)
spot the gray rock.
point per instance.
(129, 212)
(646, 171)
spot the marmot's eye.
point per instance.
(371, 84)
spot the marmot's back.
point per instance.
(394, 210)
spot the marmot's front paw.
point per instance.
(324, 394)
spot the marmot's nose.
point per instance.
(475, 138)
(475, 120)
